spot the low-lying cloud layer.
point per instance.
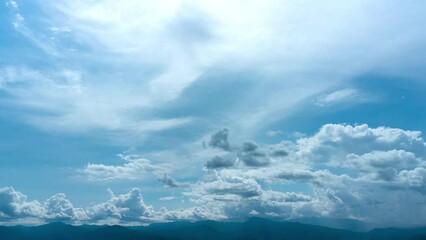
(372, 174)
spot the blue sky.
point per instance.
(133, 112)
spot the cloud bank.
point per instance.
(372, 174)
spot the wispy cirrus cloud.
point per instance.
(166, 47)
(348, 96)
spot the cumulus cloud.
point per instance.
(220, 140)
(134, 168)
(385, 165)
(219, 162)
(250, 154)
(366, 165)
(11, 4)
(170, 182)
(59, 208)
(238, 197)
(254, 158)
(334, 141)
(127, 209)
(378, 175)
(167, 198)
(415, 177)
(249, 146)
(14, 206)
(273, 133)
(139, 79)
(227, 188)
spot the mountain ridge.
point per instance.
(253, 228)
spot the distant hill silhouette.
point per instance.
(339, 223)
(253, 229)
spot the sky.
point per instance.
(134, 112)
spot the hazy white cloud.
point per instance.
(348, 95)
(12, 4)
(167, 198)
(370, 163)
(151, 53)
(386, 161)
(272, 133)
(134, 168)
(68, 98)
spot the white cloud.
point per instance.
(273, 133)
(59, 208)
(238, 196)
(68, 98)
(167, 198)
(340, 96)
(379, 175)
(151, 52)
(385, 166)
(373, 168)
(134, 168)
(334, 141)
(415, 177)
(129, 207)
(15, 207)
(14, 204)
(11, 4)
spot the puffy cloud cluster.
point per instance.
(132, 169)
(385, 165)
(128, 208)
(334, 141)
(59, 208)
(14, 205)
(351, 171)
(372, 174)
(238, 197)
(250, 154)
